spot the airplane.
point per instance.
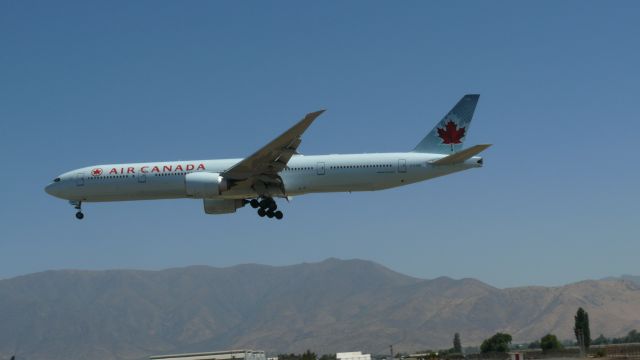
(277, 170)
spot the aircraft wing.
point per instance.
(264, 164)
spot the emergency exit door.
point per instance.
(402, 166)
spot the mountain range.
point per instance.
(330, 306)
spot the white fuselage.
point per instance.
(304, 174)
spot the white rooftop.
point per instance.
(214, 355)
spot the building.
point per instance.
(218, 355)
(355, 355)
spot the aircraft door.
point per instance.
(320, 168)
(402, 166)
(80, 179)
(142, 178)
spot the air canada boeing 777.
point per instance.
(277, 170)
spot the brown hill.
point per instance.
(329, 306)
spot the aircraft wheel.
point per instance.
(273, 206)
(270, 214)
(254, 203)
(79, 215)
(263, 203)
(279, 215)
(261, 212)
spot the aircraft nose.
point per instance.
(52, 189)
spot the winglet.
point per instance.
(308, 119)
(461, 156)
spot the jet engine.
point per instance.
(205, 185)
(222, 206)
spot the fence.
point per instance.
(620, 351)
(616, 352)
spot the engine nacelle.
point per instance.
(221, 206)
(205, 185)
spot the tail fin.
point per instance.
(449, 134)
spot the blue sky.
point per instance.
(83, 83)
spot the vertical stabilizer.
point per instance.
(449, 134)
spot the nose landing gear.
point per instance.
(78, 206)
(267, 207)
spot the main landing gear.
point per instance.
(78, 206)
(266, 207)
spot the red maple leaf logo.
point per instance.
(451, 134)
(96, 172)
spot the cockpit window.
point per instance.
(56, 180)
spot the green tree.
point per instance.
(550, 342)
(497, 343)
(581, 328)
(308, 355)
(632, 337)
(291, 356)
(328, 357)
(457, 344)
(600, 340)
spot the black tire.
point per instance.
(270, 214)
(254, 203)
(273, 206)
(279, 215)
(261, 212)
(79, 215)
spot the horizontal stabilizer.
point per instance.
(461, 156)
